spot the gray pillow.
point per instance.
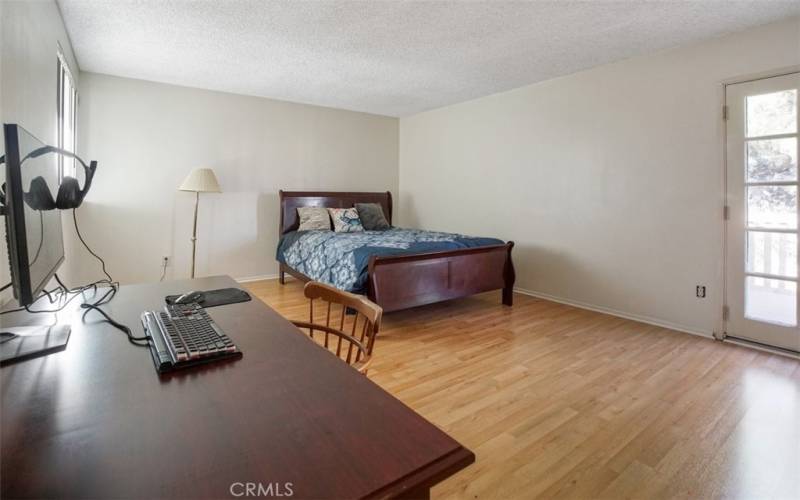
(314, 219)
(372, 217)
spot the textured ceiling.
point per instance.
(392, 58)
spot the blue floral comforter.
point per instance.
(341, 259)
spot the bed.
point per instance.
(397, 268)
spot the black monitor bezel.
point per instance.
(16, 237)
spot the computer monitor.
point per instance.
(33, 228)
(35, 242)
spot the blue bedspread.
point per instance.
(341, 259)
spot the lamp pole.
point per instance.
(194, 229)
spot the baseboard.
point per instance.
(613, 312)
(260, 277)
(591, 307)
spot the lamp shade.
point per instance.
(201, 180)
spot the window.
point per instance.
(770, 157)
(67, 116)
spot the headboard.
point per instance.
(291, 200)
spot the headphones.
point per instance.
(70, 195)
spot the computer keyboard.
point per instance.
(184, 335)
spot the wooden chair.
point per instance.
(358, 343)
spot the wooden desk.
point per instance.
(97, 421)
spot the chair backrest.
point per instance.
(351, 337)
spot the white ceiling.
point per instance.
(392, 58)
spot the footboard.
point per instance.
(403, 281)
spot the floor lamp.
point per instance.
(200, 180)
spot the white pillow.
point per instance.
(314, 219)
(346, 220)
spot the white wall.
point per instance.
(30, 32)
(146, 138)
(608, 180)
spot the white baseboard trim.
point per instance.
(582, 305)
(613, 312)
(260, 277)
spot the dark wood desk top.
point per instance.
(97, 421)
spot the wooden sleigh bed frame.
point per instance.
(403, 281)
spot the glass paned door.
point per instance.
(762, 186)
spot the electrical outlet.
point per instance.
(700, 291)
(166, 260)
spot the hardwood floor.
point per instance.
(561, 402)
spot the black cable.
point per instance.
(95, 306)
(41, 239)
(45, 293)
(80, 237)
(105, 299)
(18, 309)
(49, 297)
(83, 288)
(58, 309)
(9, 311)
(110, 293)
(5, 286)
(119, 326)
(60, 283)
(75, 292)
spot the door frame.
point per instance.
(722, 333)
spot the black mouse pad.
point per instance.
(212, 298)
